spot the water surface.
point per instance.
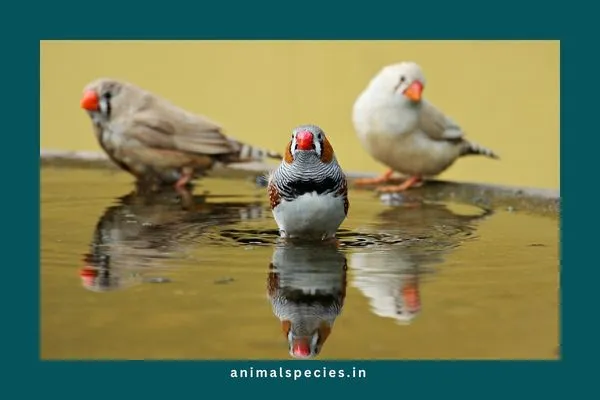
(203, 276)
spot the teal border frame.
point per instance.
(307, 20)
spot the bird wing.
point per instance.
(437, 125)
(170, 128)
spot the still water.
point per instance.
(204, 276)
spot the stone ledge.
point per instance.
(533, 200)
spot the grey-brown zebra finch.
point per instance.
(142, 230)
(308, 192)
(155, 140)
(405, 132)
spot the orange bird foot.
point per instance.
(182, 182)
(410, 182)
(384, 178)
(186, 177)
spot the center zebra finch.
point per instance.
(308, 192)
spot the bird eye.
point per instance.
(107, 95)
(319, 136)
(402, 79)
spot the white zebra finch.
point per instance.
(405, 132)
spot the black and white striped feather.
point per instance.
(307, 174)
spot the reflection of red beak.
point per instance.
(411, 297)
(88, 274)
(301, 347)
(414, 91)
(89, 101)
(304, 140)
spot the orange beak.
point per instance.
(89, 101)
(411, 297)
(413, 92)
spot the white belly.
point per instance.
(310, 215)
(413, 154)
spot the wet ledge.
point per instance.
(519, 199)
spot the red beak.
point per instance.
(88, 274)
(301, 348)
(304, 140)
(89, 101)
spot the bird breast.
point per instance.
(309, 211)
(384, 115)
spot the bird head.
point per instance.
(404, 79)
(98, 273)
(99, 98)
(306, 346)
(308, 142)
(96, 278)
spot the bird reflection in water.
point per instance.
(147, 227)
(390, 281)
(390, 275)
(307, 288)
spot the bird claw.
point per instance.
(413, 181)
(384, 178)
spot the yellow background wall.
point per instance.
(505, 94)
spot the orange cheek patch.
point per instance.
(286, 326)
(327, 152)
(287, 157)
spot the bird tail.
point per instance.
(474, 149)
(248, 153)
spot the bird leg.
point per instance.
(187, 200)
(413, 180)
(186, 176)
(383, 178)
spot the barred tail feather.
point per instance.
(248, 153)
(471, 149)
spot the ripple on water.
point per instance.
(428, 223)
